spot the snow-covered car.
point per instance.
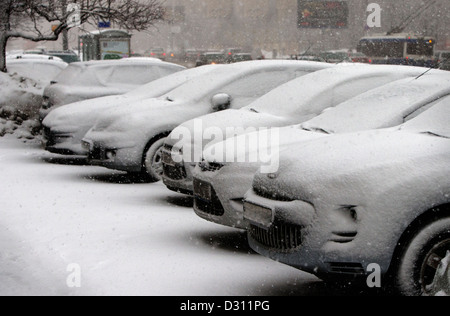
(293, 103)
(219, 187)
(374, 203)
(41, 70)
(65, 127)
(132, 141)
(94, 79)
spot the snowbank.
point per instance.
(20, 100)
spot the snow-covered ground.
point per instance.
(127, 238)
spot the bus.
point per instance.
(105, 44)
(399, 49)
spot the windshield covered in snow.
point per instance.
(386, 106)
(305, 95)
(251, 79)
(434, 121)
(172, 81)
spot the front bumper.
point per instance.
(177, 177)
(127, 159)
(63, 143)
(299, 235)
(228, 185)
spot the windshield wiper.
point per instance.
(253, 110)
(434, 134)
(316, 129)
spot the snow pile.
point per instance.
(441, 284)
(20, 100)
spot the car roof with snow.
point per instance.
(40, 70)
(385, 106)
(126, 72)
(12, 57)
(329, 87)
(198, 88)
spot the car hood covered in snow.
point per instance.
(357, 168)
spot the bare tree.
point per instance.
(26, 18)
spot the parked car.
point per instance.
(335, 57)
(41, 70)
(192, 55)
(219, 187)
(65, 127)
(94, 79)
(359, 58)
(340, 205)
(236, 58)
(157, 53)
(68, 56)
(295, 102)
(133, 141)
(211, 58)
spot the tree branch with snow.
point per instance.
(25, 18)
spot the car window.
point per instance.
(385, 106)
(432, 121)
(244, 90)
(133, 75)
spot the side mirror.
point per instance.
(221, 101)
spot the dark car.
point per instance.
(67, 55)
(211, 58)
(241, 57)
(158, 53)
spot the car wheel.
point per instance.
(153, 165)
(421, 258)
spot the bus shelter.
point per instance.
(105, 45)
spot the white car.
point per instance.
(65, 127)
(347, 205)
(219, 187)
(41, 70)
(131, 139)
(293, 103)
(94, 79)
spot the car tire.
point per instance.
(418, 264)
(152, 162)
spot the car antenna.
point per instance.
(431, 68)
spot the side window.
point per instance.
(350, 89)
(247, 89)
(134, 75)
(165, 71)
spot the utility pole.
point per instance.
(65, 33)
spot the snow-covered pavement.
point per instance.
(127, 238)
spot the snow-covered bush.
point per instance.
(20, 100)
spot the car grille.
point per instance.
(172, 170)
(280, 236)
(97, 153)
(48, 136)
(206, 166)
(209, 205)
(175, 173)
(274, 196)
